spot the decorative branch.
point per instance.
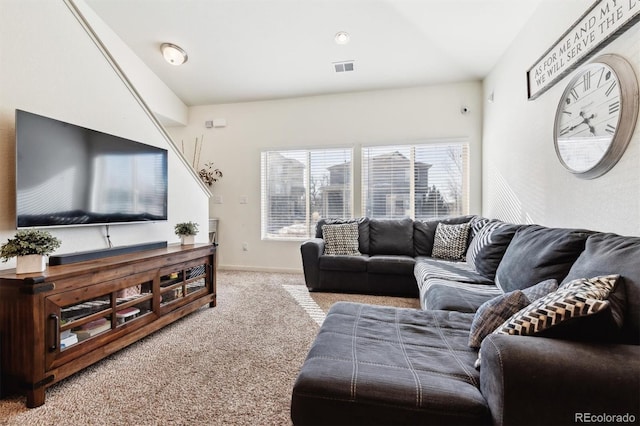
(209, 175)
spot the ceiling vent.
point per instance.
(344, 66)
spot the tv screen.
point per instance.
(67, 175)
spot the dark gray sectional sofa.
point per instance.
(389, 249)
(375, 365)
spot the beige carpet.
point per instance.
(234, 364)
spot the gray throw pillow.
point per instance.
(492, 313)
(540, 290)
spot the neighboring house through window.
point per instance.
(300, 186)
(422, 181)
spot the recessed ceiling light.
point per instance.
(173, 54)
(342, 37)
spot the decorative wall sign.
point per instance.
(600, 25)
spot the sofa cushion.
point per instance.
(578, 310)
(442, 294)
(453, 286)
(488, 246)
(343, 263)
(391, 236)
(450, 241)
(379, 365)
(607, 253)
(427, 267)
(537, 253)
(341, 239)
(424, 232)
(363, 230)
(395, 265)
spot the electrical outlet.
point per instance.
(245, 246)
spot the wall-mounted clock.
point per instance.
(596, 116)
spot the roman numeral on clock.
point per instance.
(575, 95)
(586, 81)
(610, 89)
(614, 107)
(611, 129)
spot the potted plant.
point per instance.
(29, 246)
(186, 231)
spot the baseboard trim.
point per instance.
(258, 269)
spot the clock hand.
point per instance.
(585, 120)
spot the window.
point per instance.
(301, 186)
(422, 181)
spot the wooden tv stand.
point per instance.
(55, 323)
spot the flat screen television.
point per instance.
(67, 175)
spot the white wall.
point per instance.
(523, 181)
(160, 99)
(377, 117)
(49, 66)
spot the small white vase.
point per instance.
(188, 239)
(30, 263)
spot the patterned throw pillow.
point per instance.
(450, 241)
(341, 239)
(493, 313)
(481, 239)
(496, 311)
(488, 246)
(575, 301)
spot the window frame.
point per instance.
(264, 211)
(412, 145)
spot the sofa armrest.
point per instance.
(311, 251)
(534, 380)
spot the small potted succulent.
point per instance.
(186, 231)
(29, 247)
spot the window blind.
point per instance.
(301, 186)
(422, 181)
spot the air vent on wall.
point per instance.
(343, 66)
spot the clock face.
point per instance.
(588, 116)
(596, 116)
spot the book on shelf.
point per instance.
(67, 338)
(127, 314)
(92, 328)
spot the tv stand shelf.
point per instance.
(55, 323)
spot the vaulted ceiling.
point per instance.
(247, 50)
